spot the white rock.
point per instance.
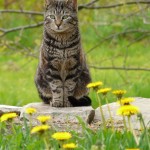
(7, 109)
(142, 103)
(62, 115)
(68, 114)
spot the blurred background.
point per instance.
(115, 37)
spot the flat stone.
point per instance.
(7, 109)
(67, 116)
(61, 115)
(142, 103)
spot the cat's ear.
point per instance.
(48, 2)
(73, 3)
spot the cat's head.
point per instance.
(61, 15)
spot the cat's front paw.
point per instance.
(58, 104)
(68, 104)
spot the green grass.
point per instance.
(87, 139)
(17, 80)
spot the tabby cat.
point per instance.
(62, 73)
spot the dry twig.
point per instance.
(118, 34)
(120, 68)
(85, 6)
(6, 31)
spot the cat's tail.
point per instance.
(83, 101)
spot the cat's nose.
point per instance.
(58, 23)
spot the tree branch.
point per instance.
(117, 34)
(40, 13)
(6, 31)
(22, 12)
(120, 68)
(80, 7)
(85, 6)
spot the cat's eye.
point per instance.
(52, 16)
(65, 17)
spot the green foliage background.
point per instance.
(19, 50)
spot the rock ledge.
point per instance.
(62, 116)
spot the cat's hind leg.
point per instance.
(80, 97)
(83, 101)
(43, 88)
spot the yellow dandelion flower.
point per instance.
(95, 85)
(128, 110)
(119, 93)
(43, 119)
(40, 129)
(126, 101)
(69, 146)
(61, 136)
(104, 91)
(8, 116)
(30, 111)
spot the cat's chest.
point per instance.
(63, 54)
(64, 64)
(64, 61)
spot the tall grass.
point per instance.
(86, 139)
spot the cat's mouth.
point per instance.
(59, 30)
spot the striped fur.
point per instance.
(62, 73)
